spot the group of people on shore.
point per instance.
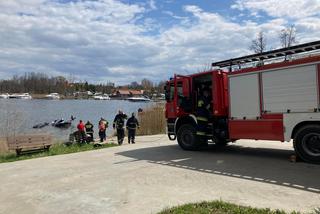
(86, 130)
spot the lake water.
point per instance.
(20, 116)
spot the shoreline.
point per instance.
(152, 122)
(42, 97)
(61, 148)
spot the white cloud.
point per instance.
(276, 8)
(304, 15)
(71, 38)
(152, 5)
(108, 40)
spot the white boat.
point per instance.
(101, 97)
(4, 96)
(53, 96)
(138, 99)
(24, 96)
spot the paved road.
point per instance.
(155, 174)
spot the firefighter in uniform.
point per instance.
(203, 115)
(118, 123)
(206, 99)
(89, 131)
(132, 125)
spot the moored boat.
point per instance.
(53, 96)
(138, 99)
(4, 96)
(24, 96)
(101, 97)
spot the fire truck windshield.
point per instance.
(169, 91)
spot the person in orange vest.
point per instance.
(82, 132)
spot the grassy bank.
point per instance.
(219, 207)
(56, 149)
(152, 121)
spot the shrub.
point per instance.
(152, 121)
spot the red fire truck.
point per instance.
(274, 95)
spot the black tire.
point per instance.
(187, 138)
(222, 143)
(307, 143)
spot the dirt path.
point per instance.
(155, 174)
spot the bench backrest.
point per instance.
(29, 141)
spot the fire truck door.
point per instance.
(183, 94)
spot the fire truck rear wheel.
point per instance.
(187, 138)
(307, 143)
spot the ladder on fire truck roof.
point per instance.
(279, 53)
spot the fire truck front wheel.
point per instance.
(307, 143)
(187, 138)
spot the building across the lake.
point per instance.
(126, 93)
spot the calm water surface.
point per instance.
(20, 115)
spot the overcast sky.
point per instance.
(127, 40)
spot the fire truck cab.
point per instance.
(277, 101)
(182, 94)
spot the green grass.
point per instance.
(317, 211)
(218, 207)
(56, 149)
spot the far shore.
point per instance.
(66, 97)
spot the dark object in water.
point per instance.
(61, 123)
(40, 125)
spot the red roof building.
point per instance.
(124, 93)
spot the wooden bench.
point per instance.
(29, 143)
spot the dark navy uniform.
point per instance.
(202, 115)
(202, 118)
(89, 130)
(132, 125)
(118, 123)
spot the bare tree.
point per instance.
(206, 67)
(160, 86)
(288, 36)
(259, 44)
(134, 85)
(147, 84)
